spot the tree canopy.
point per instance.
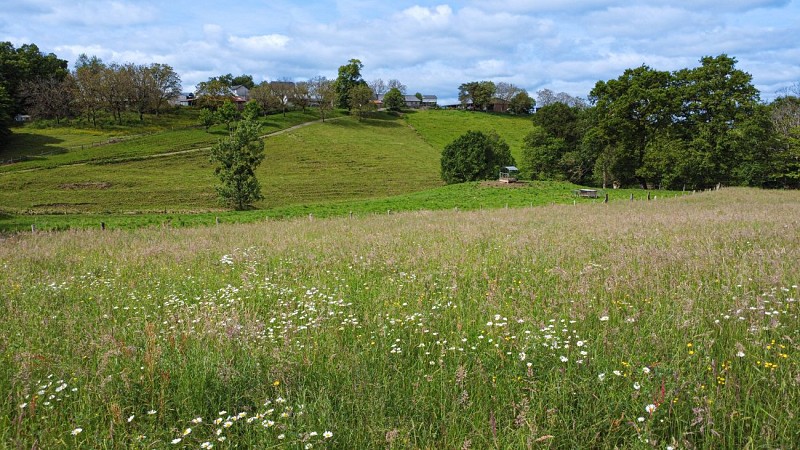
(394, 100)
(349, 77)
(478, 94)
(237, 158)
(474, 156)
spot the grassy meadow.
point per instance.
(662, 324)
(143, 174)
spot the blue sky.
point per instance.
(431, 46)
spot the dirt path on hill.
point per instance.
(166, 154)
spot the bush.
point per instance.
(475, 156)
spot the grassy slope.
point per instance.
(485, 329)
(384, 163)
(335, 160)
(439, 128)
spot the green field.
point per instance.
(465, 196)
(668, 323)
(387, 162)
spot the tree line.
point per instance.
(43, 87)
(687, 129)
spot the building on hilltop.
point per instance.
(413, 102)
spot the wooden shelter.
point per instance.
(508, 174)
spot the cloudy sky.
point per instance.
(431, 46)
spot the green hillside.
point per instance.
(141, 176)
(85, 171)
(439, 128)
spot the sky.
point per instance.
(430, 46)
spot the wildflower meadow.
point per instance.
(668, 324)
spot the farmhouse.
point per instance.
(412, 101)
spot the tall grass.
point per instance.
(629, 325)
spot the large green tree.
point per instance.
(237, 158)
(349, 77)
(21, 66)
(394, 100)
(360, 100)
(631, 110)
(785, 116)
(717, 102)
(477, 94)
(521, 103)
(474, 156)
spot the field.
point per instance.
(662, 324)
(147, 175)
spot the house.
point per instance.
(241, 91)
(412, 101)
(184, 99)
(498, 105)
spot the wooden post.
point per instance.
(351, 214)
(33, 228)
(606, 200)
(631, 197)
(648, 195)
(102, 226)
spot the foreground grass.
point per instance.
(645, 324)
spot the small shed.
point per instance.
(508, 174)
(590, 193)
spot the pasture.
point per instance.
(662, 324)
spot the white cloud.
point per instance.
(261, 43)
(438, 16)
(430, 45)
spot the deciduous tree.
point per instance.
(360, 101)
(521, 103)
(237, 158)
(323, 93)
(474, 156)
(349, 77)
(394, 100)
(477, 93)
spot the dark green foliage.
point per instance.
(6, 106)
(477, 93)
(20, 66)
(360, 101)
(349, 77)
(237, 158)
(243, 80)
(394, 100)
(207, 118)
(541, 153)
(474, 156)
(553, 150)
(691, 128)
(521, 103)
(252, 110)
(227, 113)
